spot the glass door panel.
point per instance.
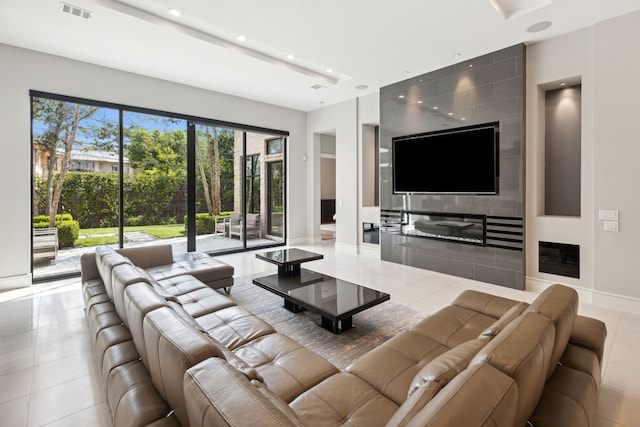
(155, 180)
(275, 199)
(218, 190)
(75, 165)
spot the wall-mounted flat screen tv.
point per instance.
(463, 160)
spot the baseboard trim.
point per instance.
(15, 282)
(591, 296)
(370, 251)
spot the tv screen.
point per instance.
(455, 161)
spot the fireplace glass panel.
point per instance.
(459, 228)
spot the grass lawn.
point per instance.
(107, 236)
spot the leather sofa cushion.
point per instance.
(203, 301)
(234, 326)
(523, 351)
(391, 367)
(286, 367)
(142, 406)
(560, 304)
(216, 394)
(584, 360)
(180, 285)
(480, 396)
(173, 347)
(434, 376)
(343, 399)
(203, 267)
(504, 320)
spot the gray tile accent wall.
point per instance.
(485, 89)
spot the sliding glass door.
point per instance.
(123, 176)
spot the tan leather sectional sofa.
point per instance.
(173, 351)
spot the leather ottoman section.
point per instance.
(390, 368)
(180, 285)
(203, 301)
(343, 399)
(569, 399)
(204, 267)
(453, 325)
(234, 326)
(286, 367)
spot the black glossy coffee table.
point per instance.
(334, 299)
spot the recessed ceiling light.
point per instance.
(463, 118)
(405, 72)
(242, 38)
(435, 108)
(175, 12)
(401, 96)
(562, 84)
(419, 102)
(470, 65)
(540, 26)
(362, 87)
(457, 55)
(291, 56)
(329, 70)
(449, 114)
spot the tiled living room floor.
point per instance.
(48, 375)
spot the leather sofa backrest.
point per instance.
(434, 376)
(140, 299)
(522, 351)
(480, 396)
(217, 394)
(491, 305)
(149, 256)
(122, 276)
(172, 347)
(105, 262)
(560, 304)
(504, 320)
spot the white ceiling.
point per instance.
(365, 42)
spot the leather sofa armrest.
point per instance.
(589, 333)
(481, 302)
(88, 267)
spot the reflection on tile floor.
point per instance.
(48, 375)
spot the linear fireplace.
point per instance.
(461, 228)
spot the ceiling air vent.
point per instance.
(75, 11)
(318, 87)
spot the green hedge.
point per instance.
(68, 232)
(205, 223)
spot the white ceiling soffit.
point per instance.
(514, 8)
(209, 38)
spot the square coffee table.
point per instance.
(334, 299)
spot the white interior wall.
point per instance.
(604, 56)
(617, 175)
(556, 60)
(340, 119)
(24, 70)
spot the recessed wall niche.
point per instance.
(562, 151)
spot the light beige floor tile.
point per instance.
(15, 412)
(51, 350)
(14, 385)
(47, 375)
(57, 402)
(18, 341)
(614, 405)
(96, 416)
(16, 360)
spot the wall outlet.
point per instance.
(608, 215)
(611, 226)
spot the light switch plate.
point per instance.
(611, 226)
(608, 215)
